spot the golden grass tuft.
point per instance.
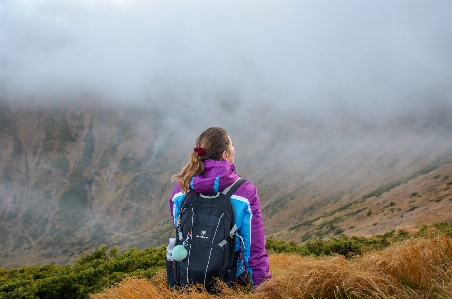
(423, 265)
(415, 268)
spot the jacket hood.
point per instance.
(217, 176)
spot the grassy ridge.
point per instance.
(333, 262)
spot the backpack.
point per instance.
(207, 231)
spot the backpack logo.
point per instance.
(203, 235)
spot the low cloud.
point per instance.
(372, 59)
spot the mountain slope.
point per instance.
(76, 177)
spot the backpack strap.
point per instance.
(182, 208)
(228, 192)
(229, 237)
(233, 187)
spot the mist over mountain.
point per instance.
(328, 104)
(77, 177)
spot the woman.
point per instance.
(211, 169)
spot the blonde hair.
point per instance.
(214, 141)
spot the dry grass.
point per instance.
(417, 268)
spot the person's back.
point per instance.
(211, 170)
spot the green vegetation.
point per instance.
(306, 237)
(277, 205)
(76, 197)
(441, 228)
(412, 208)
(38, 227)
(327, 227)
(90, 274)
(87, 154)
(438, 199)
(20, 242)
(72, 204)
(27, 217)
(385, 188)
(345, 207)
(61, 163)
(130, 163)
(338, 231)
(391, 204)
(58, 133)
(65, 136)
(95, 272)
(74, 200)
(278, 246)
(349, 246)
(108, 154)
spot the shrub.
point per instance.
(415, 268)
(90, 274)
(61, 163)
(400, 258)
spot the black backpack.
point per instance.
(207, 230)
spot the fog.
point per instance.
(373, 59)
(325, 97)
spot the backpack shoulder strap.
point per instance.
(189, 193)
(228, 193)
(182, 209)
(232, 188)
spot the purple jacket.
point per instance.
(219, 175)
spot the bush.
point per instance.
(90, 274)
(103, 268)
(344, 245)
(279, 246)
(61, 163)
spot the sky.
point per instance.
(372, 57)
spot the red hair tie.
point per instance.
(200, 151)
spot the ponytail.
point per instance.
(194, 167)
(209, 145)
